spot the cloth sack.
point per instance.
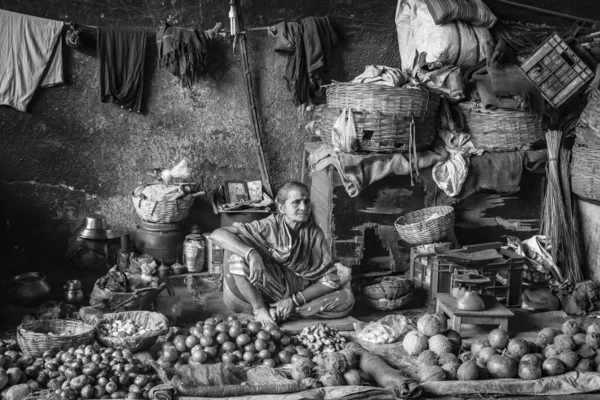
(382, 75)
(458, 43)
(446, 81)
(343, 133)
(475, 12)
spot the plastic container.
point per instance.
(215, 256)
(432, 275)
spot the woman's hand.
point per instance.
(257, 268)
(283, 309)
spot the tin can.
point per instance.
(193, 252)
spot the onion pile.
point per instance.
(320, 338)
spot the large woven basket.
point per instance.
(36, 337)
(388, 287)
(156, 323)
(383, 115)
(501, 130)
(588, 126)
(585, 170)
(428, 225)
(163, 212)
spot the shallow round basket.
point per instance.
(388, 287)
(156, 323)
(36, 337)
(163, 212)
(501, 130)
(388, 305)
(585, 170)
(428, 225)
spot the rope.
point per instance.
(412, 150)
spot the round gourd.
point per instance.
(414, 343)
(440, 344)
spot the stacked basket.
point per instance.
(501, 130)
(585, 161)
(386, 118)
(164, 211)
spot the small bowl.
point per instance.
(179, 269)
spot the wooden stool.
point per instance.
(495, 313)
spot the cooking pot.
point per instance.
(95, 227)
(29, 289)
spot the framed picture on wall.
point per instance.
(255, 190)
(236, 192)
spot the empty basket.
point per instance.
(428, 225)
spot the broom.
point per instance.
(556, 224)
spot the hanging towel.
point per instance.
(182, 52)
(30, 57)
(122, 55)
(311, 39)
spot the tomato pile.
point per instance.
(85, 372)
(231, 341)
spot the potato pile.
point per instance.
(497, 356)
(85, 372)
(320, 339)
(122, 328)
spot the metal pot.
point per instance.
(162, 241)
(73, 292)
(29, 289)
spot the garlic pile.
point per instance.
(123, 328)
(320, 338)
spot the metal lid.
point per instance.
(152, 226)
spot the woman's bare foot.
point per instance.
(263, 316)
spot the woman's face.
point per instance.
(296, 208)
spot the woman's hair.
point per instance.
(284, 191)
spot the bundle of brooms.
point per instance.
(558, 222)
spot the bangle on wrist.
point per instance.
(249, 253)
(295, 300)
(300, 296)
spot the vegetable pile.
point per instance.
(122, 328)
(497, 356)
(84, 372)
(320, 339)
(231, 341)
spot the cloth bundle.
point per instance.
(182, 52)
(311, 40)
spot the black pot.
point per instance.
(164, 242)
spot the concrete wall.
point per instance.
(71, 154)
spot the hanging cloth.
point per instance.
(30, 57)
(182, 52)
(122, 56)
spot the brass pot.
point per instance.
(29, 289)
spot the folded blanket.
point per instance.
(30, 57)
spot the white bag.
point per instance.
(456, 43)
(343, 134)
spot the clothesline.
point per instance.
(258, 28)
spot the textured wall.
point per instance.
(71, 154)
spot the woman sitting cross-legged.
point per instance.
(281, 265)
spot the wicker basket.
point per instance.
(156, 323)
(585, 170)
(389, 305)
(163, 212)
(34, 340)
(388, 287)
(588, 127)
(501, 130)
(383, 115)
(428, 225)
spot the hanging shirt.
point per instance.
(122, 55)
(30, 57)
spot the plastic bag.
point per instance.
(387, 330)
(343, 134)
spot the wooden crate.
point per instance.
(556, 70)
